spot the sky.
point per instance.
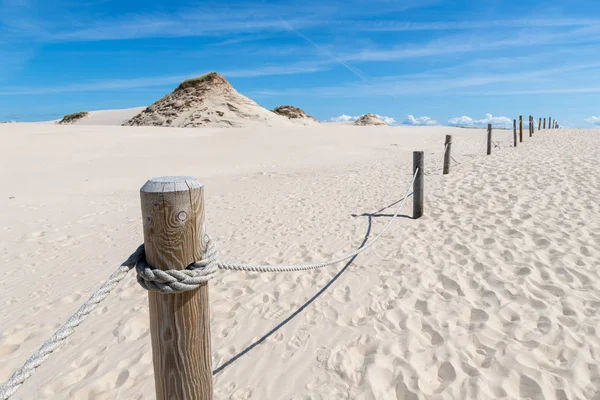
(414, 62)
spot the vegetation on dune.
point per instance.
(211, 77)
(73, 117)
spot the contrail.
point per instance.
(355, 71)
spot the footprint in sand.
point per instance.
(434, 337)
(295, 343)
(447, 375)
(544, 325)
(529, 389)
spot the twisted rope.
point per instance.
(170, 281)
(57, 340)
(437, 168)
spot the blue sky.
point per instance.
(432, 60)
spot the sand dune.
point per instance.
(369, 119)
(493, 294)
(207, 101)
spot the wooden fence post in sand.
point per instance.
(448, 146)
(530, 126)
(173, 219)
(419, 185)
(540, 124)
(515, 132)
(544, 123)
(520, 128)
(489, 139)
(549, 122)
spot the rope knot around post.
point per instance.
(179, 281)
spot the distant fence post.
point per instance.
(530, 126)
(448, 146)
(173, 220)
(520, 128)
(544, 123)
(515, 132)
(540, 124)
(419, 185)
(549, 122)
(489, 139)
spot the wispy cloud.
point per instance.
(409, 26)
(148, 82)
(434, 84)
(593, 120)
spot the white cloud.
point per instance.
(461, 121)
(593, 120)
(388, 120)
(502, 122)
(348, 118)
(419, 121)
(344, 118)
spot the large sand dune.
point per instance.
(207, 101)
(492, 294)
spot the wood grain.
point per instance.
(173, 218)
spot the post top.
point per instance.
(164, 184)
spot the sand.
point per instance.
(107, 117)
(492, 294)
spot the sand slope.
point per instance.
(369, 119)
(493, 294)
(207, 101)
(108, 117)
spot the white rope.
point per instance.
(57, 340)
(437, 168)
(170, 281)
(304, 267)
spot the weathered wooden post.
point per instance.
(448, 147)
(530, 126)
(549, 122)
(520, 128)
(173, 220)
(544, 123)
(540, 124)
(489, 139)
(515, 132)
(419, 185)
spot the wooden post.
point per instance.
(544, 123)
(530, 126)
(540, 124)
(520, 128)
(515, 132)
(173, 219)
(489, 140)
(448, 146)
(419, 185)
(549, 122)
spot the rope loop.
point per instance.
(178, 281)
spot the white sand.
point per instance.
(107, 117)
(493, 294)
